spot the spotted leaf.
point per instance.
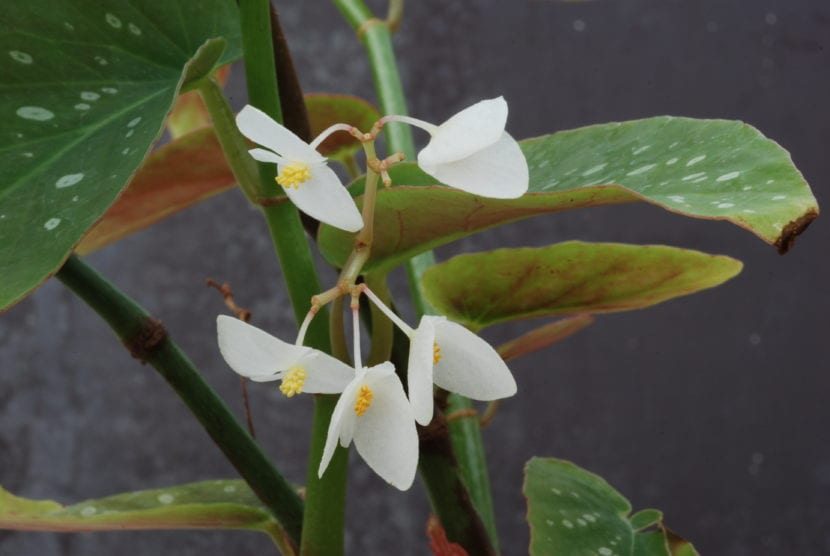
(712, 169)
(573, 511)
(86, 87)
(203, 505)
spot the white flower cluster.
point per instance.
(471, 151)
(373, 411)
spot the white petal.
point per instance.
(260, 128)
(470, 366)
(323, 197)
(254, 353)
(264, 155)
(419, 371)
(385, 435)
(499, 171)
(344, 406)
(324, 373)
(469, 131)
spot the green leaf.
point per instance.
(86, 87)
(482, 289)
(572, 511)
(204, 505)
(713, 169)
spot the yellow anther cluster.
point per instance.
(292, 382)
(293, 174)
(364, 400)
(436, 353)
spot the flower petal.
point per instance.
(419, 370)
(254, 353)
(323, 197)
(342, 417)
(260, 128)
(498, 171)
(324, 373)
(470, 366)
(385, 435)
(264, 155)
(469, 131)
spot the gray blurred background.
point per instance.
(711, 408)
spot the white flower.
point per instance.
(374, 413)
(448, 355)
(302, 171)
(257, 355)
(472, 152)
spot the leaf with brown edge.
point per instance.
(710, 169)
(325, 110)
(189, 112)
(503, 285)
(178, 175)
(544, 336)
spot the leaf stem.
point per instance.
(147, 340)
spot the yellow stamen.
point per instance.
(293, 174)
(292, 382)
(364, 400)
(436, 353)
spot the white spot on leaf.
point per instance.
(114, 22)
(695, 160)
(725, 205)
(134, 29)
(229, 488)
(130, 133)
(642, 149)
(109, 90)
(88, 511)
(605, 551)
(567, 524)
(671, 161)
(693, 176)
(35, 113)
(68, 180)
(594, 169)
(729, 176)
(82, 106)
(779, 197)
(166, 498)
(641, 170)
(101, 60)
(134, 122)
(52, 223)
(89, 95)
(20, 56)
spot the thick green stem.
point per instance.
(375, 36)
(323, 520)
(147, 340)
(382, 328)
(465, 433)
(233, 143)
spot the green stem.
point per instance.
(436, 468)
(146, 339)
(233, 143)
(465, 433)
(382, 327)
(325, 498)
